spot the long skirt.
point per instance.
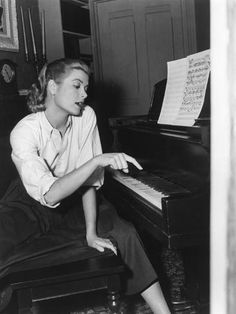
(22, 220)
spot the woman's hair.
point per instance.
(57, 71)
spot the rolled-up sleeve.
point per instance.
(33, 170)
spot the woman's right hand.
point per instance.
(100, 244)
(117, 161)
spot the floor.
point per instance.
(89, 303)
(74, 305)
(96, 303)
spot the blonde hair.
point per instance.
(56, 71)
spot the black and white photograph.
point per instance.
(117, 157)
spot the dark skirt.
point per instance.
(24, 220)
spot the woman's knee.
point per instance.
(126, 231)
(129, 228)
(6, 247)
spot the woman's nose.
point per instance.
(84, 93)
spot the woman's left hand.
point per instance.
(100, 243)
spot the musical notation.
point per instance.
(185, 90)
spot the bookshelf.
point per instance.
(76, 30)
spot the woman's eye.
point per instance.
(77, 86)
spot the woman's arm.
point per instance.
(33, 159)
(69, 183)
(66, 185)
(90, 213)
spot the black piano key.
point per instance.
(158, 183)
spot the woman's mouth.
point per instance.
(80, 103)
(81, 106)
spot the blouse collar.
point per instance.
(47, 125)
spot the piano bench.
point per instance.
(67, 271)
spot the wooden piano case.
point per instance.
(180, 155)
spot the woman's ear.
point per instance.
(52, 87)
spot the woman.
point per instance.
(57, 151)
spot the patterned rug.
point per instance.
(138, 307)
(93, 304)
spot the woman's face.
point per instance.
(71, 92)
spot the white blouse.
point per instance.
(41, 155)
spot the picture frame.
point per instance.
(8, 26)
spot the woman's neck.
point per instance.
(56, 119)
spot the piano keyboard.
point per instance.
(149, 186)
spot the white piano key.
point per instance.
(143, 190)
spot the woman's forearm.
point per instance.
(90, 211)
(69, 183)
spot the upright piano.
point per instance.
(169, 198)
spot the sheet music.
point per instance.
(185, 89)
(176, 74)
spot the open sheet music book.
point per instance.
(185, 90)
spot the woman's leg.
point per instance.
(19, 220)
(15, 228)
(154, 297)
(142, 276)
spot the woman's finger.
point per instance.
(133, 161)
(106, 243)
(98, 247)
(123, 161)
(113, 164)
(118, 161)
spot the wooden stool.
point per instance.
(62, 273)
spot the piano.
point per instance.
(169, 199)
